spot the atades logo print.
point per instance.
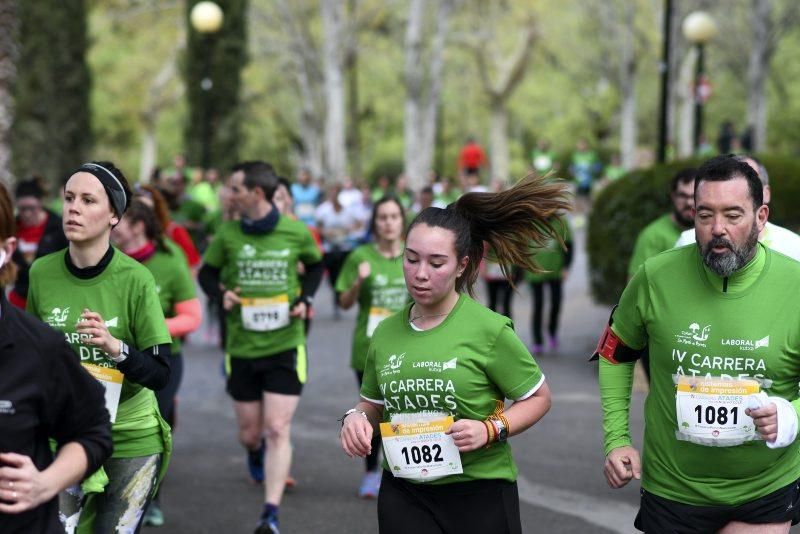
(58, 317)
(695, 335)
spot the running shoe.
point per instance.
(291, 483)
(554, 343)
(370, 485)
(255, 463)
(153, 517)
(268, 525)
(537, 349)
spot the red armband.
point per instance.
(612, 349)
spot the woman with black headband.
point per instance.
(107, 306)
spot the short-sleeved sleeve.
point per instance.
(369, 386)
(349, 272)
(512, 368)
(149, 326)
(184, 282)
(629, 317)
(214, 255)
(309, 252)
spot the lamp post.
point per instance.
(206, 18)
(699, 28)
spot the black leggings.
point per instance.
(457, 508)
(500, 290)
(333, 261)
(538, 303)
(372, 458)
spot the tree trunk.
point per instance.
(685, 96)
(309, 79)
(628, 130)
(333, 29)
(758, 72)
(498, 141)
(422, 92)
(353, 112)
(8, 72)
(148, 159)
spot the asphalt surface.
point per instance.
(562, 489)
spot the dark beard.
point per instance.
(727, 263)
(682, 221)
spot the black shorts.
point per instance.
(657, 514)
(284, 372)
(458, 508)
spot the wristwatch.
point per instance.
(124, 352)
(502, 431)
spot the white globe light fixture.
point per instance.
(206, 17)
(699, 27)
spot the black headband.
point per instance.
(112, 185)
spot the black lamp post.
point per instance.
(699, 28)
(206, 18)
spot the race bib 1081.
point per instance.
(710, 411)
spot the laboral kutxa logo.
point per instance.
(694, 335)
(747, 344)
(437, 367)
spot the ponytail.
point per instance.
(509, 222)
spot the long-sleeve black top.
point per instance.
(45, 393)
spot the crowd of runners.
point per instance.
(109, 275)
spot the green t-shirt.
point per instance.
(658, 236)
(551, 258)
(382, 293)
(697, 324)
(174, 282)
(124, 294)
(460, 368)
(264, 267)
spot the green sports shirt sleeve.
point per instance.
(148, 322)
(369, 385)
(511, 367)
(349, 272)
(309, 251)
(214, 255)
(616, 380)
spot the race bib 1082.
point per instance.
(421, 450)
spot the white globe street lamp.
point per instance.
(699, 28)
(206, 17)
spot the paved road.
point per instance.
(560, 461)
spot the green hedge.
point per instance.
(626, 206)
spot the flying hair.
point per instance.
(510, 222)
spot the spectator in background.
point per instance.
(39, 233)
(403, 192)
(350, 194)
(153, 198)
(543, 158)
(584, 168)
(472, 158)
(383, 188)
(185, 210)
(307, 197)
(446, 194)
(340, 229)
(555, 261)
(726, 134)
(206, 191)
